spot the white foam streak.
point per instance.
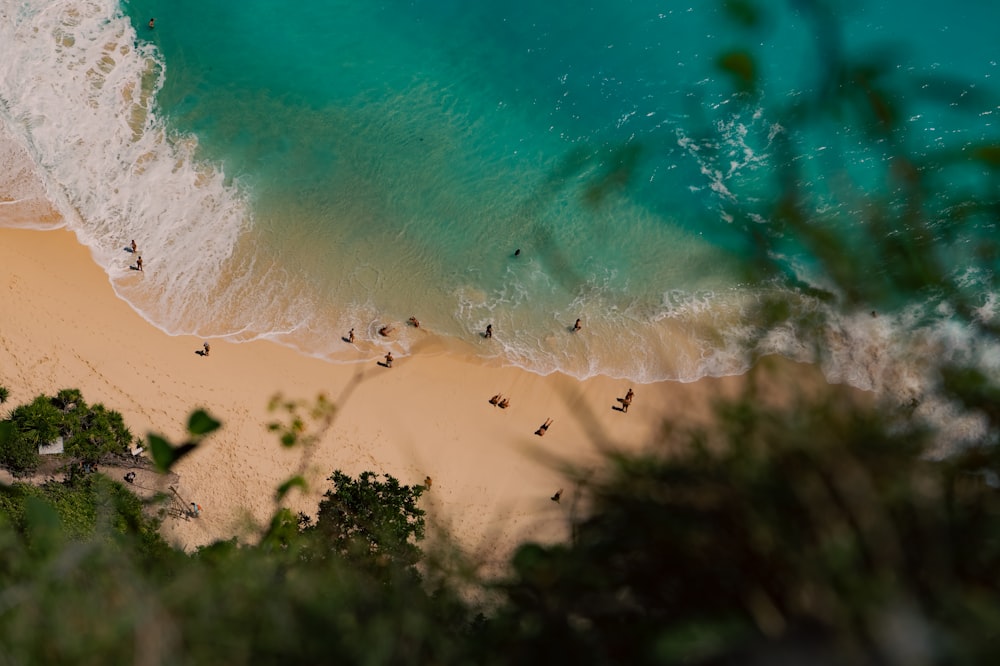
(79, 90)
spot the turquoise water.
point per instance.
(293, 172)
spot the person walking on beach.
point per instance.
(134, 246)
(138, 263)
(207, 347)
(627, 400)
(350, 336)
(543, 428)
(489, 330)
(388, 360)
(577, 326)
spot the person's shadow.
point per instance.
(347, 340)
(200, 352)
(617, 408)
(383, 364)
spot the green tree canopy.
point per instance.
(373, 520)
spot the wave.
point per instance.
(79, 93)
(79, 97)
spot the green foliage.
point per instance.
(129, 599)
(375, 523)
(165, 455)
(4, 394)
(300, 414)
(88, 432)
(818, 533)
(802, 532)
(32, 425)
(18, 452)
(82, 502)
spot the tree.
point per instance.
(92, 431)
(31, 426)
(370, 521)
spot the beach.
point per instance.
(427, 416)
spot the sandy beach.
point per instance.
(429, 415)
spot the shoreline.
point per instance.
(428, 415)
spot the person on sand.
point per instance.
(557, 496)
(130, 477)
(504, 404)
(577, 326)
(195, 510)
(385, 330)
(416, 324)
(495, 399)
(350, 336)
(388, 360)
(134, 246)
(543, 428)
(428, 482)
(207, 348)
(489, 330)
(627, 400)
(138, 263)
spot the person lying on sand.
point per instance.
(495, 399)
(544, 427)
(503, 404)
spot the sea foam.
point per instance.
(79, 91)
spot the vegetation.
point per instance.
(812, 532)
(369, 522)
(816, 532)
(88, 432)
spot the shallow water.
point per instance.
(295, 174)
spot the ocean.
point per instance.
(292, 172)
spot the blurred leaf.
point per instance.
(741, 66)
(201, 423)
(619, 169)
(988, 154)
(162, 452)
(165, 455)
(743, 12)
(43, 524)
(294, 482)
